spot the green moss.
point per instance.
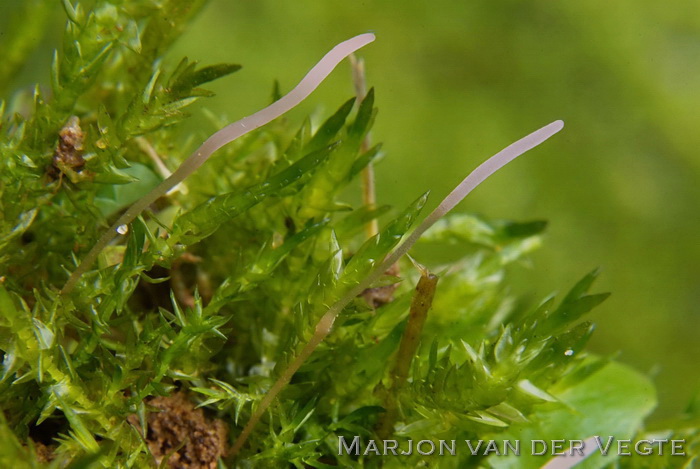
(213, 291)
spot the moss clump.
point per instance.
(205, 299)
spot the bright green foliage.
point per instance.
(213, 291)
(614, 396)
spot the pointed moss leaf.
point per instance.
(365, 116)
(89, 461)
(276, 91)
(486, 418)
(542, 311)
(319, 195)
(110, 174)
(87, 71)
(44, 335)
(581, 287)
(460, 227)
(71, 12)
(365, 159)
(385, 281)
(582, 372)
(186, 77)
(571, 311)
(23, 223)
(208, 216)
(262, 268)
(184, 68)
(559, 350)
(613, 401)
(574, 341)
(79, 429)
(363, 414)
(503, 343)
(514, 249)
(106, 128)
(271, 257)
(212, 72)
(172, 109)
(195, 329)
(371, 362)
(522, 230)
(376, 248)
(114, 197)
(302, 170)
(526, 387)
(337, 263)
(323, 292)
(507, 412)
(11, 317)
(331, 127)
(355, 221)
(302, 416)
(296, 146)
(575, 304)
(132, 37)
(134, 247)
(148, 94)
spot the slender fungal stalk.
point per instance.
(229, 133)
(325, 324)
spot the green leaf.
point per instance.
(365, 117)
(371, 155)
(112, 198)
(331, 127)
(191, 78)
(575, 304)
(612, 402)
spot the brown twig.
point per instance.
(420, 304)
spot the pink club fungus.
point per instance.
(226, 135)
(241, 127)
(325, 324)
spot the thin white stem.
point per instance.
(163, 170)
(325, 324)
(229, 133)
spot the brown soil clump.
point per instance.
(201, 441)
(44, 453)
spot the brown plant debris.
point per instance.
(378, 296)
(192, 440)
(68, 156)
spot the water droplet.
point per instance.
(122, 229)
(569, 352)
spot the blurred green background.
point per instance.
(458, 80)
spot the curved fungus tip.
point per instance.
(220, 138)
(325, 325)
